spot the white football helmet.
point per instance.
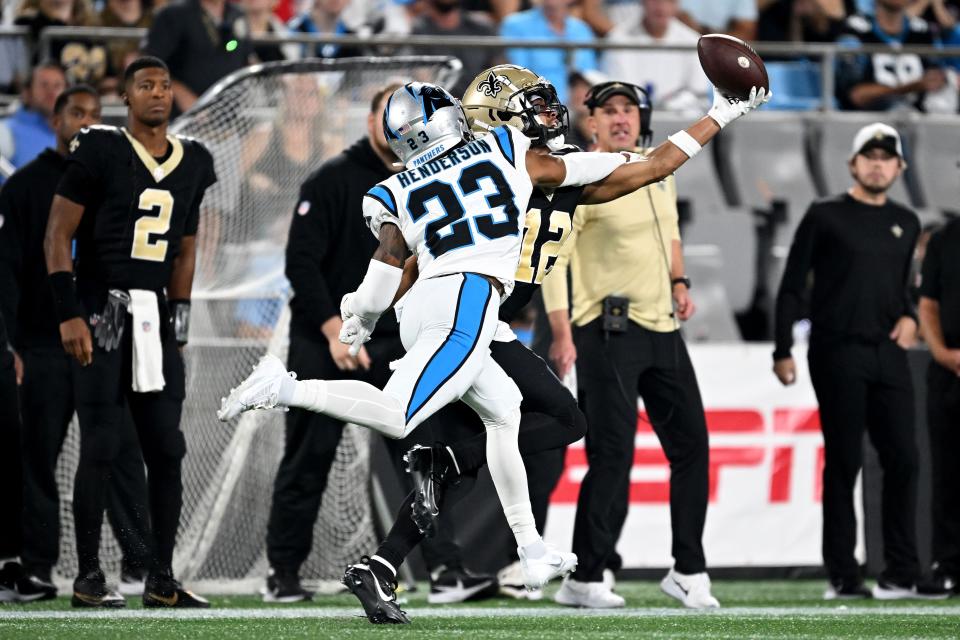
(422, 121)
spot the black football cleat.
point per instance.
(432, 469)
(378, 597)
(17, 586)
(91, 591)
(284, 587)
(449, 585)
(161, 591)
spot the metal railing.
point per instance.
(824, 53)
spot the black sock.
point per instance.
(400, 541)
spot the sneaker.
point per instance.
(430, 468)
(888, 590)
(591, 595)
(693, 590)
(378, 597)
(260, 390)
(161, 591)
(91, 590)
(456, 584)
(840, 590)
(609, 580)
(284, 587)
(510, 579)
(17, 586)
(132, 582)
(539, 571)
(947, 582)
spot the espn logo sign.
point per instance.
(775, 458)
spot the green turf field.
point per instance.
(775, 609)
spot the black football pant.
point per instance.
(46, 404)
(549, 421)
(310, 448)
(866, 386)
(943, 419)
(11, 496)
(103, 397)
(612, 369)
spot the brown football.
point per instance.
(731, 65)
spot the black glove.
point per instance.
(180, 317)
(109, 328)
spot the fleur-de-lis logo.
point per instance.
(896, 230)
(74, 144)
(491, 86)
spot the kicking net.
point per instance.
(268, 127)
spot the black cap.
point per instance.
(602, 92)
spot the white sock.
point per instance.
(349, 401)
(386, 564)
(510, 477)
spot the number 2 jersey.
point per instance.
(461, 212)
(137, 208)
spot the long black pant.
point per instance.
(943, 419)
(611, 370)
(103, 397)
(11, 504)
(549, 421)
(46, 404)
(866, 386)
(309, 450)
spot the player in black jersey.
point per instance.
(504, 94)
(131, 199)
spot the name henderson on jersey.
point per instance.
(452, 159)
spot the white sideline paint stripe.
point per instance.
(474, 612)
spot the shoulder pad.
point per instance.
(859, 23)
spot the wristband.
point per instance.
(65, 296)
(686, 143)
(180, 316)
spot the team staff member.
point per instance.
(328, 252)
(46, 389)
(132, 198)
(858, 246)
(940, 319)
(627, 275)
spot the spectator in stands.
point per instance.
(602, 15)
(201, 41)
(734, 17)
(28, 130)
(882, 81)
(83, 59)
(324, 17)
(581, 132)
(263, 21)
(550, 21)
(802, 20)
(673, 80)
(943, 14)
(123, 13)
(940, 320)
(447, 18)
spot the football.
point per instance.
(731, 65)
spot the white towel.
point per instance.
(147, 349)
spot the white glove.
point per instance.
(355, 332)
(345, 313)
(727, 109)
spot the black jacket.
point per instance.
(26, 301)
(330, 245)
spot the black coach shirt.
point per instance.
(25, 297)
(137, 208)
(330, 245)
(859, 256)
(941, 279)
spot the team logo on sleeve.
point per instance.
(492, 86)
(74, 144)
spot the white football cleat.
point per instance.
(260, 390)
(510, 579)
(591, 595)
(539, 571)
(693, 590)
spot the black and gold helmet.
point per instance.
(508, 94)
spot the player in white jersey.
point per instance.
(457, 207)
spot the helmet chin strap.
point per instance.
(556, 143)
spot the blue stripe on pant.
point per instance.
(472, 303)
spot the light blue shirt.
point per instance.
(549, 63)
(25, 133)
(717, 14)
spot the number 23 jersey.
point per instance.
(460, 212)
(137, 208)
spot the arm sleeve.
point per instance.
(379, 206)
(82, 180)
(11, 257)
(310, 235)
(556, 294)
(930, 271)
(793, 285)
(193, 215)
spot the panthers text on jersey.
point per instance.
(137, 208)
(460, 212)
